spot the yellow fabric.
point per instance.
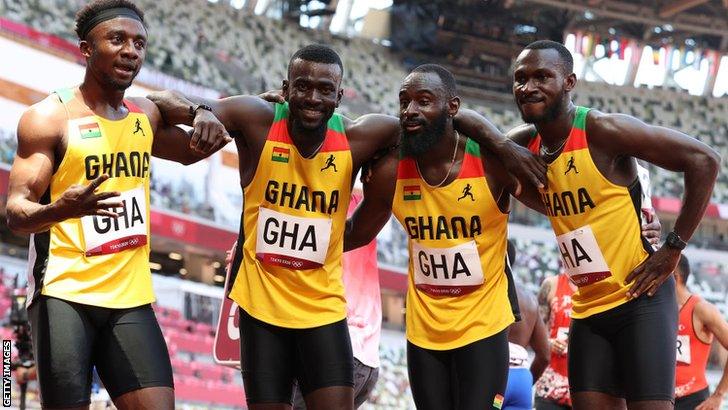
(606, 208)
(286, 296)
(115, 280)
(448, 322)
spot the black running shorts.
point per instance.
(125, 345)
(627, 351)
(272, 357)
(466, 378)
(691, 401)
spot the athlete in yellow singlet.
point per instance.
(621, 342)
(297, 164)
(452, 199)
(80, 186)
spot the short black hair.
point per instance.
(566, 58)
(446, 77)
(511, 250)
(318, 53)
(683, 268)
(90, 10)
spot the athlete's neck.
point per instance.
(554, 131)
(440, 154)
(307, 142)
(105, 101)
(683, 294)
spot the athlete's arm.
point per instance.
(540, 344)
(715, 324)
(370, 135)
(518, 160)
(239, 115)
(40, 133)
(173, 143)
(623, 136)
(376, 206)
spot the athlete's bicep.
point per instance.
(30, 175)
(717, 325)
(370, 134)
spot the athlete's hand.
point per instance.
(208, 133)
(522, 164)
(274, 96)
(82, 200)
(558, 346)
(650, 274)
(711, 403)
(651, 231)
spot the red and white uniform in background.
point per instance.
(692, 353)
(363, 298)
(554, 383)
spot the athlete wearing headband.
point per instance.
(80, 186)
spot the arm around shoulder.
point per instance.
(376, 207)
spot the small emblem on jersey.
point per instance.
(467, 193)
(281, 154)
(330, 163)
(138, 127)
(498, 401)
(412, 193)
(570, 166)
(90, 130)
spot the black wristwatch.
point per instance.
(673, 241)
(194, 108)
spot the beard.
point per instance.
(414, 144)
(550, 114)
(120, 85)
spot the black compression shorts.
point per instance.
(125, 345)
(470, 377)
(273, 357)
(627, 351)
(693, 400)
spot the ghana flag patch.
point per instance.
(281, 154)
(90, 130)
(412, 192)
(498, 401)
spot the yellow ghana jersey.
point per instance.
(596, 222)
(458, 291)
(294, 215)
(97, 260)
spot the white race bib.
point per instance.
(454, 271)
(683, 349)
(291, 241)
(581, 257)
(105, 235)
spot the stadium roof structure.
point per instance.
(703, 23)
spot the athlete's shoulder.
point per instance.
(522, 134)
(607, 124)
(44, 119)
(705, 310)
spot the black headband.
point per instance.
(107, 14)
